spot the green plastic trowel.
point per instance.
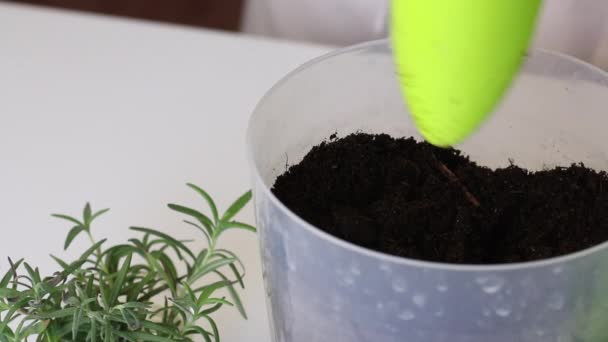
(456, 58)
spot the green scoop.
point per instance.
(456, 58)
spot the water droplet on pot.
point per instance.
(385, 267)
(442, 288)
(526, 282)
(355, 270)
(491, 289)
(399, 285)
(490, 284)
(348, 280)
(291, 265)
(557, 270)
(556, 301)
(502, 312)
(539, 332)
(481, 280)
(486, 312)
(407, 315)
(391, 328)
(502, 308)
(379, 306)
(439, 313)
(337, 304)
(419, 300)
(481, 323)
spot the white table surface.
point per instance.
(122, 113)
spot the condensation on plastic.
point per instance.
(322, 289)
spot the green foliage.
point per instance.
(155, 288)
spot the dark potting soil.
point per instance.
(415, 200)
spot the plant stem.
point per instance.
(98, 252)
(192, 319)
(209, 251)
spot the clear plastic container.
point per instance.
(323, 289)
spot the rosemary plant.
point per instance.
(128, 292)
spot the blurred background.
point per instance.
(575, 27)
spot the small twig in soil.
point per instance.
(286, 161)
(452, 177)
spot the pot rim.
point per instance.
(388, 258)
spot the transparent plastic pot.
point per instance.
(320, 288)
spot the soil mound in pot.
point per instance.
(415, 200)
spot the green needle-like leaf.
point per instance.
(141, 336)
(104, 296)
(90, 251)
(8, 293)
(34, 275)
(93, 332)
(209, 200)
(72, 235)
(8, 316)
(87, 216)
(171, 241)
(200, 217)
(203, 230)
(76, 322)
(108, 335)
(235, 296)
(117, 286)
(131, 319)
(99, 213)
(61, 263)
(9, 274)
(207, 291)
(190, 293)
(156, 265)
(68, 218)
(236, 206)
(167, 330)
(56, 314)
(225, 254)
(238, 225)
(211, 310)
(219, 301)
(216, 332)
(35, 328)
(210, 267)
(198, 330)
(168, 265)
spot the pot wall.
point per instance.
(322, 289)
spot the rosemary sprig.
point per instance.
(154, 288)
